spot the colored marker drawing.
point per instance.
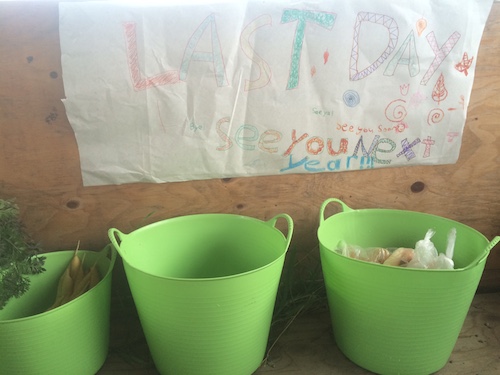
(421, 25)
(380, 19)
(396, 110)
(302, 17)
(404, 88)
(139, 82)
(351, 98)
(428, 142)
(259, 88)
(264, 68)
(215, 56)
(417, 99)
(440, 52)
(435, 116)
(451, 136)
(464, 65)
(439, 92)
(326, 55)
(412, 61)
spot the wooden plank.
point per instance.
(308, 347)
(39, 161)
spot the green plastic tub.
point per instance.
(70, 339)
(205, 287)
(394, 320)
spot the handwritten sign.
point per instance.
(159, 93)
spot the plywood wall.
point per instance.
(39, 161)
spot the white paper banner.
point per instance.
(171, 92)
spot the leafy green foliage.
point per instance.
(18, 254)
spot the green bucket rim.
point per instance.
(113, 233)
(112, 253)
(348, 210)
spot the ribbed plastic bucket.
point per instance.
(394, 320)
(70, 339)
(204, 287)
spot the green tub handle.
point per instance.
(492, 244)
(484, 256)
(289, 220)
(345, 208)
(116, 237)
(110, 252)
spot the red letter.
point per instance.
(310, 143)
(265, 70)
(295, 141)
(140, 83)
(275, 136)
(344, 142)
(223, 135)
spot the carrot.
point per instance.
(75, 264)
(94, 276)
(75, 280)
(80, 274)
(88, 280)
(64, 289)
(379, 255)
(80, 288)
(400, 257)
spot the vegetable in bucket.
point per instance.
(424, 256)
(75, 280)
(398, 320)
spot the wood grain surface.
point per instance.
(39, 160)
(307, 346)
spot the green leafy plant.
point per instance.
(19, 255)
